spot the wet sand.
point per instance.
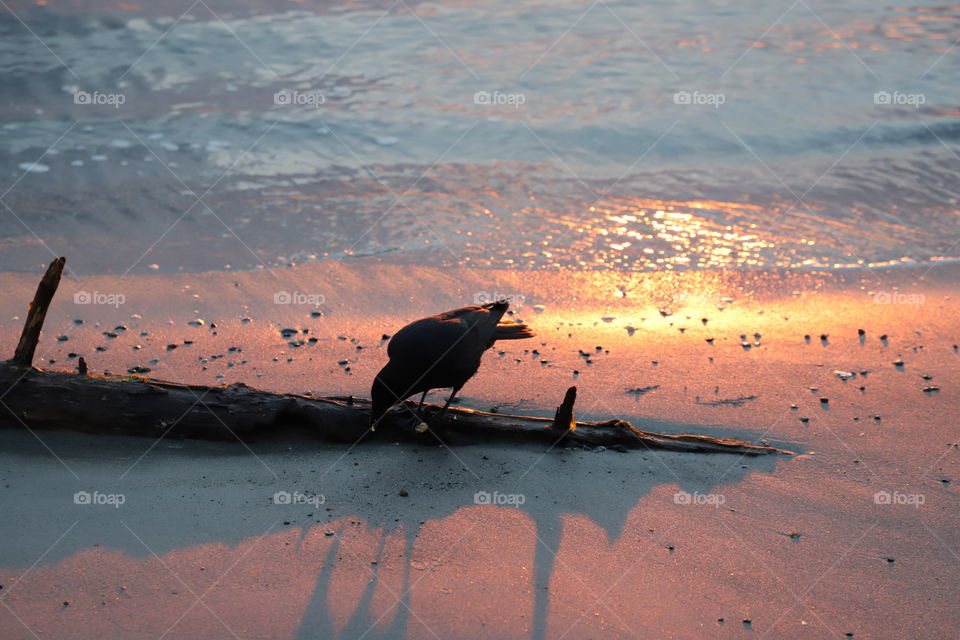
(853, 535)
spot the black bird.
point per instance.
(438, 352)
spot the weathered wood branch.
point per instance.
(136, 405)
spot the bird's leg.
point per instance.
(434, 426)
(420, 406)
(439, 417)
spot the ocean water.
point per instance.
(589, 135)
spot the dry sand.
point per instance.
(856, 534)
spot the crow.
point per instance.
(438, 352)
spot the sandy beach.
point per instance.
(854, 534)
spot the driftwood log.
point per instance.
(136, 405)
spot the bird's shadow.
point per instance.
(365, 483)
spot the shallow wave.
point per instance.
(612, 136)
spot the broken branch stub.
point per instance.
(563, 419)
(30, 336)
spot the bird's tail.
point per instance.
(507, 330)
(512, 331)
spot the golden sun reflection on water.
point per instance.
(649, 234)
(677, 233)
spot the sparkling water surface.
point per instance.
(620, 135)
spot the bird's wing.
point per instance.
(461, 333)
(428, 340)
(480, 312)
(456, 314)
(483, 321)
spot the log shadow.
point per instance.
(362, 485)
